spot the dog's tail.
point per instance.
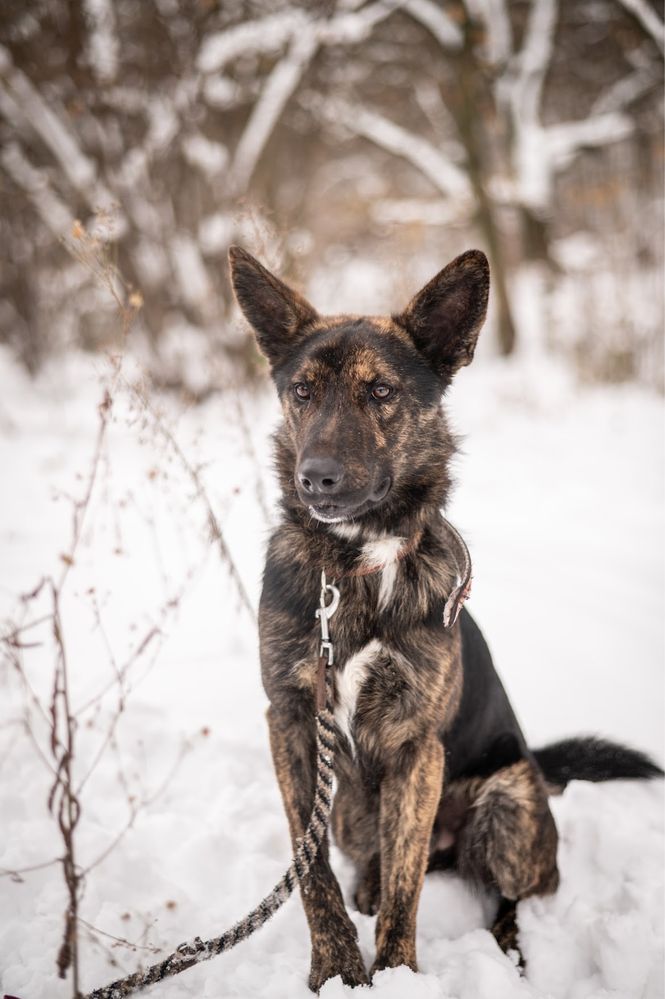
(590, 758)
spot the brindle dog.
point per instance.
(432, 767)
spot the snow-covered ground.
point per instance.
(560, 498)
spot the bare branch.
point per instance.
(215, 528)
(15, 872)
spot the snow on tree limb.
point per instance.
(498, 45)
(534, 59)
(30, 109)
(34, 110)
(437, 22)
(34, 183)
(628, 89)
(449, 179)
(304, 36)
(279, 87)
(349, 29)
(103, 40)
(566, 139)
(648, 19)
(269, 34)
(521, 90)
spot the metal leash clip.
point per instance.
(324, 613)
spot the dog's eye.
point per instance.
(301, 390)
(381, 392)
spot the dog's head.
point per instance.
(361, 395)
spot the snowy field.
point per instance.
(561, 501)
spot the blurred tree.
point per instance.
(170, 129)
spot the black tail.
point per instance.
(589, 758)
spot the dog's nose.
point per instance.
(320, 475)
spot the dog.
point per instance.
(432, 768)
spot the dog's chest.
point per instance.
(383, 555)
(349, 681)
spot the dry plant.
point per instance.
(52, 726)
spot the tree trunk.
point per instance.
(469, 115)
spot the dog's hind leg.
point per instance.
(504, 928)
(355, 826)
(509, 842)
(334, 937)
(367, 894)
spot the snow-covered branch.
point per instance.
(271, 34)
(103, 39)
(34, 183)
(628, 89)
(438, 23)
(30, 110)
(447, 178)
(304, 36)
(533, 61)
(564, 141)
(498, 43)
(278, 88)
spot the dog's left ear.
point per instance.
(277, 313)
(446, 316)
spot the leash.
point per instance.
(197, 950)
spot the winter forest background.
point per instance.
(354, 147)
(351, 144)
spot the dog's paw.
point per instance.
(339, 955)
(367, 896)
(505, 933)
(397, 954)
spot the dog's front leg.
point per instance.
(410, 793)
(334, 937)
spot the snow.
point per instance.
(560, 499)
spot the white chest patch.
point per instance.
(346, 531)
(348, 682)
(384, 551)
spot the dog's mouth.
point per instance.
(336, 510)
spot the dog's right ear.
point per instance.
(277, 313)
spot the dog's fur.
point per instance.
(432, 767)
